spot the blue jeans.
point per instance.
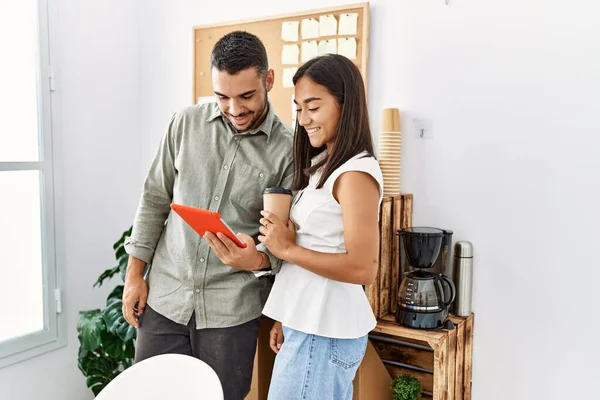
(311, 367)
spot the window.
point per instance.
(29, 298)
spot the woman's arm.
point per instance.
(358, 196)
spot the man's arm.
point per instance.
(135, 292)
(155, 202)
(148, 225)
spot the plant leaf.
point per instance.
(113, 346)
(115, 322)
(130, 350)
(120, 252)
(107, 344)
(115, 295)
(101, 370)
(109, 273)
(406, 387)
(121, 240)
(90, 327)
(83, 359)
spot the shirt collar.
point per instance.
(265, 127)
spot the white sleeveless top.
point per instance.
(305, 301)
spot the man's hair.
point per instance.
(238, 51)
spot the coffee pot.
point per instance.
(424, 297)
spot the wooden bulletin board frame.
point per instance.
(268, 29)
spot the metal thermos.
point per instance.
(463, 278)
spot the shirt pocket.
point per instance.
(248, 185)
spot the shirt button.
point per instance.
(217, 198)
(197, 290)
(261, 175)
(202, 260)
(226, 167)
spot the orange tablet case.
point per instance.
(202, 220)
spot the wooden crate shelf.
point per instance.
(440, 359)
(396, 213)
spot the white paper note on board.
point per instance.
(348, 24)
(327, 46)
(289, 31)
(310, 49)
(288, 77)
(310, 28)
(327, 25)
(347, 47)
(290, 54)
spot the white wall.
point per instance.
(96, 114)
(511, 87)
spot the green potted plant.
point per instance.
(106, 340)
(406, 387)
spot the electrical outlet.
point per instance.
(423, 128)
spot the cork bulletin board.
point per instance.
(343, 29)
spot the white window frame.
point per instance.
(53, 334)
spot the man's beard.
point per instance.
(257, 116)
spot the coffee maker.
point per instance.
(443, 264)
(424, 297)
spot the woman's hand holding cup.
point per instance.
(279, 237)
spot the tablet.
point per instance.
(202, 220)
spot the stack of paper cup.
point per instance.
(390, 147)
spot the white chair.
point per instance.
(165, 377)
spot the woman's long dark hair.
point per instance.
(343, 80)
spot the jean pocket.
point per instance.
(347, 353)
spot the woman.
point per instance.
(330, 246)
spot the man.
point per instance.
(217, 156)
